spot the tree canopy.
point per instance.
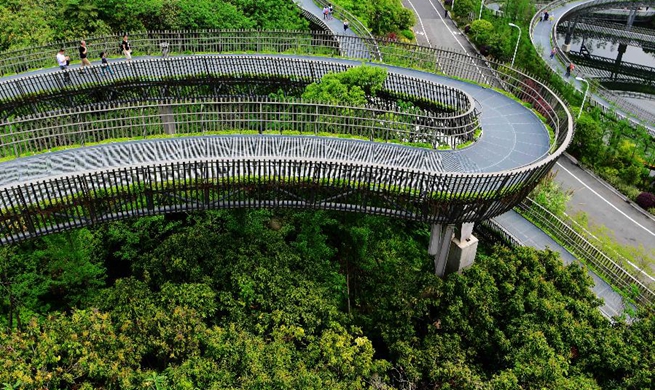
(34, 22)
(272, 299)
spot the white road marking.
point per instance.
(606, 201)
(454, 36)
(622, 213)
(421, 22)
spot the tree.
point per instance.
(352, 87)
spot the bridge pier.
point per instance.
(619, 57)
(453, 247)
(631, 17)
(566, 47)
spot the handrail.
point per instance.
(354, 24)
(424, 193)
(628, 108)
(380, 122)
(451, 64)
(584, 250)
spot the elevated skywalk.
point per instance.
(614, 32)
(512, 222)
(544, 38)
(489, 159)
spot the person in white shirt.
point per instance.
(62, 59)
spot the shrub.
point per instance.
(631, 174)
(407, 34)
(646, 200)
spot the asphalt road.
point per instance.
(604, 207)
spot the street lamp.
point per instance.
(481, 4)
(516, 48)
(585, 94)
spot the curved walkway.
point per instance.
(542, 38)
(429, 13)
(513, 136)
(602, 204)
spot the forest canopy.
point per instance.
(27, 23)
(275, 299)
(259, 299)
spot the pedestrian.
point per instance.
(63, 61)
(552, 53)
(445, 13)
(330, 11)
(545, 16)
(326, 12)
(125, 48)
(83, 56)
(105, 64)
(569, 69)
(345, 25)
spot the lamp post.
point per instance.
(516, 48)
(585, 94)
(481, 5)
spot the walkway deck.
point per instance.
(432, 11)
(542, 39)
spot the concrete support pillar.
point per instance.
(462, 253)
(440, 236)
(566, 47)
(619, 58)
(453, 247)
(631, 18)
(167, 119)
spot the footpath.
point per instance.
(434, 29)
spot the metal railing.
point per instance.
(585, 251)
(492, 231)
(174, 77)
(180, 42)
(626, 110)
(237, 114)
(139, 178)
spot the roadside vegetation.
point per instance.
(617, 151)
(287, 299)
(385, 18)
(28, 23)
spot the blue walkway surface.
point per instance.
(427, 16)
(543, 40)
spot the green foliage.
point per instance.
(465, 7)
(58, 272)
(387, 16)
(26, 23)
(482, 31)
(35, 22)
(380, 16)
(550, 195)
(352, 87)
(262, 299)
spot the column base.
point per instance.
(461, 254)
